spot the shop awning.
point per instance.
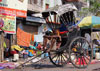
(35, 19)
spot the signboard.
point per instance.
(9, 24)
(17, 7)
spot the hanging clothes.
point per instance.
(23, 38)
(16, 47)
(4, 45)
(32, 37)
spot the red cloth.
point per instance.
(32, 37)
(82, 62)
(14, 52)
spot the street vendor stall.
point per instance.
(92, 25)
(7, 28)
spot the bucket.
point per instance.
(72, 57)
(97, 55)
(16, 56)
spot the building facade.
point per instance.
(31, 21)
(8, 9)
(48, 4)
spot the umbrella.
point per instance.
(89, 22)
(60, 9)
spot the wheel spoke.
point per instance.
(80, 44)
(85, 61)
(82, 61)
(54, 56)
(63, 58)
(87, 58)
(57, 58)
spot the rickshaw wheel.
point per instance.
(59, 58)
(80, 52)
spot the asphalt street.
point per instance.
(46, 65)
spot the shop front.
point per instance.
(34, 22)
(9, 10)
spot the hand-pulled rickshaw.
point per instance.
(68, 46)
(73, 48)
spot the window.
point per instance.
(29, 1)
(64, 1)
(35, 1)
(41, 2)
(38, 2)
(47, 6)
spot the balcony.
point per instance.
(35, 19)
(34, 7)
(72, 0)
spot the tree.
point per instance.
(93, 8)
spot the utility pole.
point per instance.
(1, 46)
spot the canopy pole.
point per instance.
(51, 21)
(58, 20)
(48, 22)
(66, 18)
(63, 20)
(91, 43)
(73, 19)
(69, 18)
